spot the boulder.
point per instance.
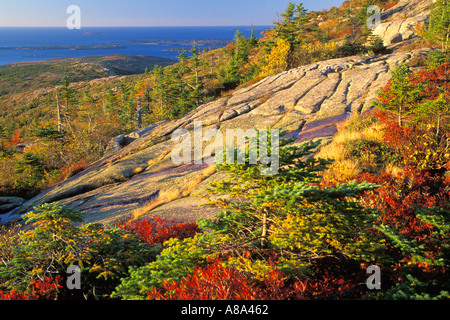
(9, 203)
(396, 38)
(122, 140)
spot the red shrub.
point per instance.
(46, 289)
(398, 195)
(437, 81)
(394, 136)
(15, 139)
(156, 230)
(216, 282)
(325, 286)
(213, 282)
(13, 295)
(389, 5)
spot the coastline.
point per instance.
(37, 44)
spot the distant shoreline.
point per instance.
(37, 44)
(199, 42)
(107, 61)
(77, 47)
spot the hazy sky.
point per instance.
(29, 13)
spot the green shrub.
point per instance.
(54, 243)
(376, 44)
(362, 147)
(177, 260)
(435, 59)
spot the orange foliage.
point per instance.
(437, 81)
(156, 230)
(268, 34)
(341, 34)
(389, 5)
(46, 289)
(217, 282)
(74, 169)
(14, 141)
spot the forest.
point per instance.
(378, 194)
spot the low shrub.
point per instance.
(157, 230)
(378, 153)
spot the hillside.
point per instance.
(27, 90)
(19, 77)
(307, 101)
(357, 208)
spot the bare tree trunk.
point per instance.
(59, 114)
(264, 229)
(445, 48)
(438, 126)
(443, 16)
(139, 114)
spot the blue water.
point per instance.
(21, 39)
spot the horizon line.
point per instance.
(168, 26)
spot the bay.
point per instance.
(35, 44)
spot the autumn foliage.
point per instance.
(216, 281)
(157, 230)
(295, 235)
(414, 201)
(46, 289)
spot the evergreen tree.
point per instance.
(238, 54)
(438, 108)
(30, 170)
(292, 25)
(376, 44)
(197, 63)
(289, 213)
(160, 93)
(253, 40)
(241, 51)
(439, 24)
(403, 95)
(435, 59)
(67, 93)
(66, 111)
(288, 217)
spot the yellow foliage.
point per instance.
(420, 29)
(330, 27)
(323, 230)
(324, 49)
(259, 269)
(276, 61)
(345, 166)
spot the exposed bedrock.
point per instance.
(138, 169)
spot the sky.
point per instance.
(105, 13)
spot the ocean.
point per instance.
(35, 44)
